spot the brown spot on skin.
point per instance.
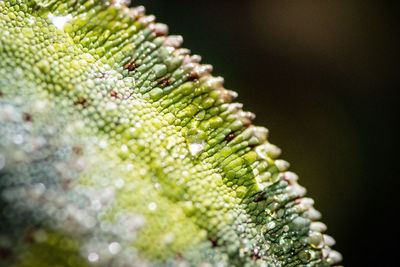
(114, 94)
(77, 150)
(1, 94)
(286, 179)
(83, 102)
(27, 117)
(260, 197)
(164, 81)
(66, 185)
(254, 256)
(192, 76)
(248, 124)
(230, 137)
(130, 65)
(158, 34)
(213, 242)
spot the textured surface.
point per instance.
(119, 147)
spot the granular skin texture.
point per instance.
(118, 148)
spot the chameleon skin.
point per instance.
(145, 158)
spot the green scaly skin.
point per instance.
(119, 148)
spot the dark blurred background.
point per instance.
(322, 76)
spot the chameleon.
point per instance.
(119, 148)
